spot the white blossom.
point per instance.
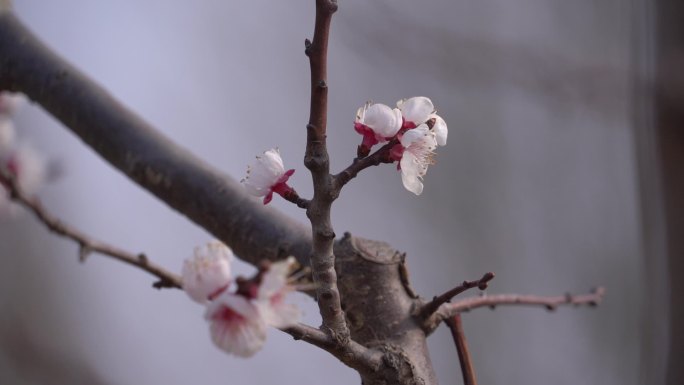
(236, 324)
(271, 295)
(208, 272)
(267, 175)
(420, 110)
(382, 120)
(27, 166)
(416, 110)
(419, 145)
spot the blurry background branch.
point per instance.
(448, 310)
(87, 244)
(455, 325)
(206, 196)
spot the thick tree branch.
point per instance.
(317, 161)
(455, 324)
(206, 196)
(87, 244)
(432, 306)
(492, 301)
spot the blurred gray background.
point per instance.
(538, 182)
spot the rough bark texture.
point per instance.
(380, 308)
(317, 161)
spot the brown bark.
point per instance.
(669, 129)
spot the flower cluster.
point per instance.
(17, 159)
(238, 320)
(417, 129)
(267, 175)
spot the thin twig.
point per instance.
(87, 244)
(448, 310)
(293, 197)
(382, 155)
(467, 369)
(351, 354)
(432, 306)
(317, 161)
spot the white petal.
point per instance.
(416, 109)
(263, 173)
(208, 271)
(410, 172)
(413, 135)
(31, 169)
(273, 162)
(419, 144)
(236, 325)
(383, 120)
(280, 315)
(275, 278)
(440, 130)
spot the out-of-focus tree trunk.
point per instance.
(669, 130)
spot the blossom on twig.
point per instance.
(236, 324)
(207, 273)
(377, 123)
(271, 294)
(420, 110)
(267, 175)
(18, 160)
(417, 148)
(238, 319)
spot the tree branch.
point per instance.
(382, 155)
(432, 306)
(448, 310)
(351, 354)
(467, 369)
(87, 244)
(317, 161)
(206, 196)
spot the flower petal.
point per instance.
(30, 168)
(440, 129)
(237, 326)
(263, 173)
(207, 272)
(279, 314)
(275, 278)
(416, 109)
(414, 135)
(383, 120)
(410, 174)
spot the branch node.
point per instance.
(431, 307)
(307, 47)
(83, 252)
